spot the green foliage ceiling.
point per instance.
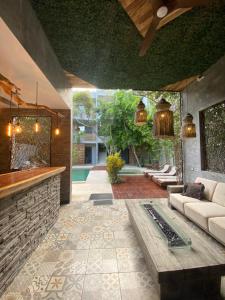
(96, 40)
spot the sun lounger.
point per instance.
(165, 169)
(163, 182)
(172, 172)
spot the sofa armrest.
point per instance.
(175, 188)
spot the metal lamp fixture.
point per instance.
(140, 115)
(18, 128)
(188, 129)
(163, 123)
(37, 126)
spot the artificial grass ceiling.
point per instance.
(97, 41)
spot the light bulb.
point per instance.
(189, 128)
(57, 131)
(9, 129)
(162, 11)
(18, 128)
(162, 116)
(36, 126)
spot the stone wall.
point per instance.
(25, 219)
(60, 147)
(78, 154)
(196, 97)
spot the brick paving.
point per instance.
(137, 187)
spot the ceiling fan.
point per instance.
(161, 8)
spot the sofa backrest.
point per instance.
(210, 186)
(219, 194)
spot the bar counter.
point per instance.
(14, 182)
(29, 206)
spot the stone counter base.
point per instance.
(25, 219)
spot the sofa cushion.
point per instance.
(178, 201)
(219, 194)
(209, 187)
(217, 228)
(194, 190)
(201, 211)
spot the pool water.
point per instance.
(80, 174)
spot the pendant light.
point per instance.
(57, 130)
(163, 120)
(9, 128)
(37, 124)
(18, 128)
(140, 114)
(188, 129)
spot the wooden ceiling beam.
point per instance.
(179, 86)
(172, 15)
(134, 5)
(11, 89)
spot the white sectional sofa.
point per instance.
(209, 213)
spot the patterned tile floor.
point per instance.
(137, 187)
(91, 253)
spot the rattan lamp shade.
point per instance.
(163, 124)
(140, 115)
(188, 129)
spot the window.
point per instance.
(212, 132)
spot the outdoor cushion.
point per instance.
(194, 190)
(201, 211)
(219, 194)
(217, 228)
(178, 201)
(209, 187)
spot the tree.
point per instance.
(116, 120)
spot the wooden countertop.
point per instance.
(11, 183)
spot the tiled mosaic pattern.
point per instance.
(91, 253)
(88, 254)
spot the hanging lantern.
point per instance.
(188, 129)
(140, 115)
(163, 120)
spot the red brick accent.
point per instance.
(79, 158)
(137, 187)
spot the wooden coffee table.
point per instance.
(183, 274)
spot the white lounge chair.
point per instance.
(165, 169)
(172, 172)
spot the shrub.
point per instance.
(114, 165)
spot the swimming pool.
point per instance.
(80, 174)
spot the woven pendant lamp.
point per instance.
(163, 121)
(188, 129)
(140, 115)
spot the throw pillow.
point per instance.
(194, 190)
